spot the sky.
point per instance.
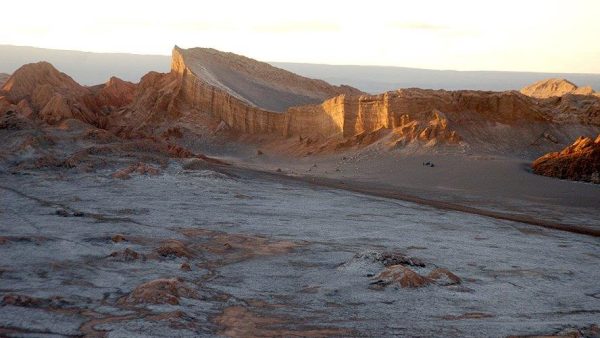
(516, 35)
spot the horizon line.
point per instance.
(304, 63)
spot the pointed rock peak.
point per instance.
(114, 79)
(117, 82)
(177, 60)
(26, 79)
(554, 87)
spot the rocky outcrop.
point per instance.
(573, 109)
(579, 161)
(39, 90)
(39, 82)
(246, 94)
(114, 94)
(555, 88)
(160, 291)
(417, 112)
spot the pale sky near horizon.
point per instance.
(519, 35)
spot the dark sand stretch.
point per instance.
(395, 193)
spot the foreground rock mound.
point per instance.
(160, 291)
(402, 276)
(579, 161)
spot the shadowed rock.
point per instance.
(174, 248)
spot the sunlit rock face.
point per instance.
(579, 161)
(40, 90)
(49, 93)
(224, 85)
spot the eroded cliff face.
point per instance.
(414, 113)
(208, 96)
(341, 116)
(579, 161)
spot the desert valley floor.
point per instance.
(231, 252)
(232, 198)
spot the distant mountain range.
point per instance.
(94, 68)
(86, 68)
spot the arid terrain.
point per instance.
(232, 198)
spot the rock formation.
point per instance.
(231, 92)
(254, 83)
(114, 94)
(405, 109)
(51, 94)
(160, 291)
(41, 91)
(555, 88)
(579, 161)
(224, 86)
